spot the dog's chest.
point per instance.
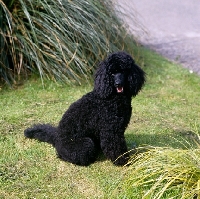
(120, 109)
(116, 108)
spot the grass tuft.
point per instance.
(59, 40)
(163, 173)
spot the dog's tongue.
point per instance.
(119, 89)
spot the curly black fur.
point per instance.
(98, 120)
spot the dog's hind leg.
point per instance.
(80, 151)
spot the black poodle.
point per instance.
(98, 120)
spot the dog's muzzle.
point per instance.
(119, 82)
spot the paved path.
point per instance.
(172, 28)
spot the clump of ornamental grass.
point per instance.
(58, 39)
(158, 172)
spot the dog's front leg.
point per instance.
(114, 147)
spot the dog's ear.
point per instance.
(103, 84)
(136, 79)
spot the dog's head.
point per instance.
(118, 75)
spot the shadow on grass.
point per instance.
(179, 139)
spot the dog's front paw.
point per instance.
(122, 160)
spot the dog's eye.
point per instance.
(114, 72)
(117, 72)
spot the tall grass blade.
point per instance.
(61, 40)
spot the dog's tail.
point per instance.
(42, 132)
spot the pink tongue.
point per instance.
(119, 89)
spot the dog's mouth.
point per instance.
(120, 89)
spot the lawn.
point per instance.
(165, 114)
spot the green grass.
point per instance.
(165, 114)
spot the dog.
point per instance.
(97, 121)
